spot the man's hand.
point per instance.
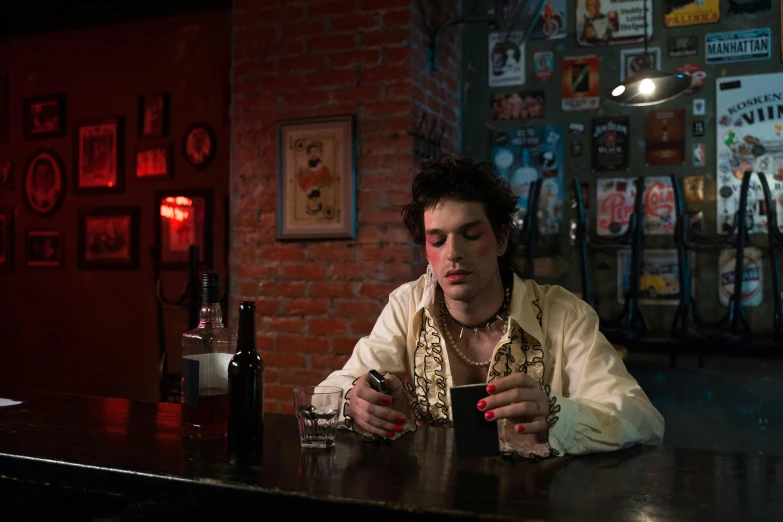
(519, 398)
(370, 409)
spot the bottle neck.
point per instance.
(246, 333)
(211, 315)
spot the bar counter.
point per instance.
(126, 453)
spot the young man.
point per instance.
(554, 383)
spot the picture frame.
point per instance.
(109, 238)
(44, 116)
(44, 182)
(99, 156)
(154, 162)
(5, 108)
(6, 239)
(6, 175)
(154, 114)
(43, 248)
(317, 178)
(633, 60)
(199, 145)
(183, 218)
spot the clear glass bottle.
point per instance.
(206, 353)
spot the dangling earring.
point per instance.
(431, 281)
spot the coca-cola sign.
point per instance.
(659, 209)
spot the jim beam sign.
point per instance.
(610, 144)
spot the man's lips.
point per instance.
(457, 272)
(456, 276)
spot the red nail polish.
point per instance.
(491, 388)
(389, 434)
(387, 401)
(400, 419)
(520, 427)
(489, 415)
(482, 404)
(398, 428)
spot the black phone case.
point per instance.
(474, 436)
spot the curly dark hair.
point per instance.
(462, 179)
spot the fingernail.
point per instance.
(519, 427)
(489, 415)
(482, 404)
(491, 388)
(389, 434)
(400, 419)
(398, 428)
(387, 400)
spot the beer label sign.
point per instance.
(612, 22)
(615, 198)
(680, 13)
(737, 46)
(751, 276)
(580, 89)
(506, 59)
(610, 143)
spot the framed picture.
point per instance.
(154, 162)
(109, 238)
(44, 249)
(44, 117)
(154, 115)
(199, 145)
(99, 156)
(633, 60)
(44, 182)
(183, 218)
(4, 108)
(317, 178)
(6, 175)
(6, 239)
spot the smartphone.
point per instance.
(377, 382)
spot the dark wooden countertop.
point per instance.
(134, 449)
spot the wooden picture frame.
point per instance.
(45, 116)
(317, 178)
(154, 114)
(6, 239)
(183, 218)
(43, 248)
(99, 156)
(154, 162)
(199, 145)
(109, 238)
(44, 182)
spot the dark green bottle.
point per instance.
(246, 384)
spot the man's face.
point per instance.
(314, 154)
(462, 248)
(593, 7)
(43, 176)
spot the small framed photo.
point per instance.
(44, 182)
(44, 117)
(6, 175)
(154, 115)
(109, 238)
(183, 218)
(99, 156)
(44, 249)
(6, 239)
(317, 179)
(154, 162)
(199, 145)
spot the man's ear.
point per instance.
(502, 241)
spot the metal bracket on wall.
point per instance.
(425, 144)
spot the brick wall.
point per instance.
(301, 59)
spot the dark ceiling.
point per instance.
(26, 17)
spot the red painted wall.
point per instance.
(89, 331)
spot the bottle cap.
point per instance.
(247, 306)
(210, 286)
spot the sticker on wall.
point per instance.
(543, 64)
(524, 155)
(699, 155)
(749, 6)
(551, 23)
(580, 89)
(664, 134)
(698, 129)
(683, 46)
(693, 12)
(737, 46)
(612, 23)
(610, 143)
(748, 138)
(576, 128)
(576, 149)
(752, 284)
(614, 205)
(659, 282)
(699, 106)
(697, 74)
(517, 105)
(506, 62)
(634, 60)
(693, 189)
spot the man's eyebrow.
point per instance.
(463, 227)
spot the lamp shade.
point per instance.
(649, 86)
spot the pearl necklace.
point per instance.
(446, 326)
